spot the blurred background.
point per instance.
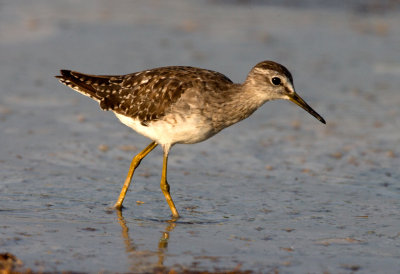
(276, 192)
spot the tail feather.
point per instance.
(85, 84)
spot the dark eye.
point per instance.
(276, 81)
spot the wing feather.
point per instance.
(146, 95)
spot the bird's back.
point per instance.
(146, 95)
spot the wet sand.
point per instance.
(276, 192)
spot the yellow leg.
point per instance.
(165, 186)
(134, 164)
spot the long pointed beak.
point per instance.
(295, 98)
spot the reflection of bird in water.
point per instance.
(183, 105)
(129, 246)
(163, 242)
(143, 260)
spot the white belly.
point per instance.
(172, 131)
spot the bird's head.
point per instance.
(272, 81)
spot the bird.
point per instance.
(182, 105)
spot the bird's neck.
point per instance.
(239, 103)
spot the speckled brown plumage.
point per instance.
(145, 95)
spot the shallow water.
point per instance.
(279, 191)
